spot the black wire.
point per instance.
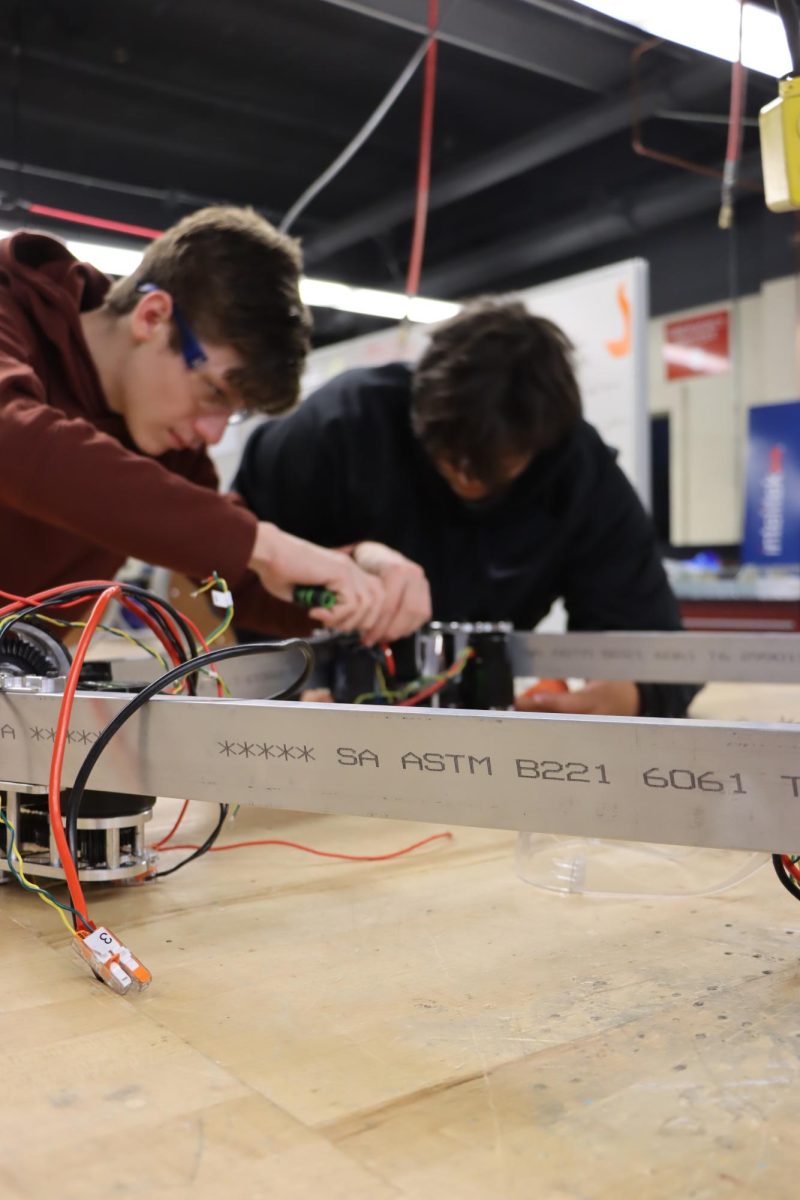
(11, 842)
(206, 846)
(180, 672)
(790, 16)
(177, 616)
(788, 881)
(148, 601)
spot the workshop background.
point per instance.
(562, 140)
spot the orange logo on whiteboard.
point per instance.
(621, 347)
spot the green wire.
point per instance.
(23, 883)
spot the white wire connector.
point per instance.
(112, 962)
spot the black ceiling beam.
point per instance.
(505, 30)
(560, 137)
(123, 78)
(94, 130)
(582, 15)
(649, 208)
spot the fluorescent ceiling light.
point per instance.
(318, 293)
(111, 260)
(711, 26)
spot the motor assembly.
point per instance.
(452, 664)
(111, 827)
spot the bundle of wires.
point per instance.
(177, 673)
(17, 869)
(416, 691)
(180, 639)
(787, 868)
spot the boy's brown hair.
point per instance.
(235, 279)
(494, 381)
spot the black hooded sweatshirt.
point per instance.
(347, 467)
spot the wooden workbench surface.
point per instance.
(424, 1028)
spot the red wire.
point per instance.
(438, 684)
(48, 593)
(64, 214)
(733, 150)
(792, 868)
(154, 627)
(321, 853)
(59, 746)
(424, 165)
(734, 147)
(160, 845)
(430, 690)
(220, 692)
(19, 601)
(23, 600)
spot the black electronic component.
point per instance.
(98, 676)
(111, 834)
(28, 650)
(486, 680)
(352, 670)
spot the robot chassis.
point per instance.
(463, 760)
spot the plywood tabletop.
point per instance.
(425, 1027)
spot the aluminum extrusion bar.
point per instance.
(681, 782)
(250, 678)
(659, 657)
(645, 657)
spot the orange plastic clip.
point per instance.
(111, 962)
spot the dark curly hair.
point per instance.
(495, 382)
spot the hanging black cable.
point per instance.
(201, 850)
(180, 672)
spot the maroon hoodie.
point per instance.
(76, 496)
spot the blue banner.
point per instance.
(772, 503)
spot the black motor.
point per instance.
(475, 656)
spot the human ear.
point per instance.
(151, 313)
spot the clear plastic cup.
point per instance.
(599, 867)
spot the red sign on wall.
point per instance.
(697, 345)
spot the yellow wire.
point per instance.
(106, 628)
(34, 887)
(208, 583)
(223, 628)
(383, 685)
(135, 642)
(117, 632)
(216, 580)
(416, 685)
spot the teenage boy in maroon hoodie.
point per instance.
(110, 396)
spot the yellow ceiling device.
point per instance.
(779, 125)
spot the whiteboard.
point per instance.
(603, 312)
(605, 315)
